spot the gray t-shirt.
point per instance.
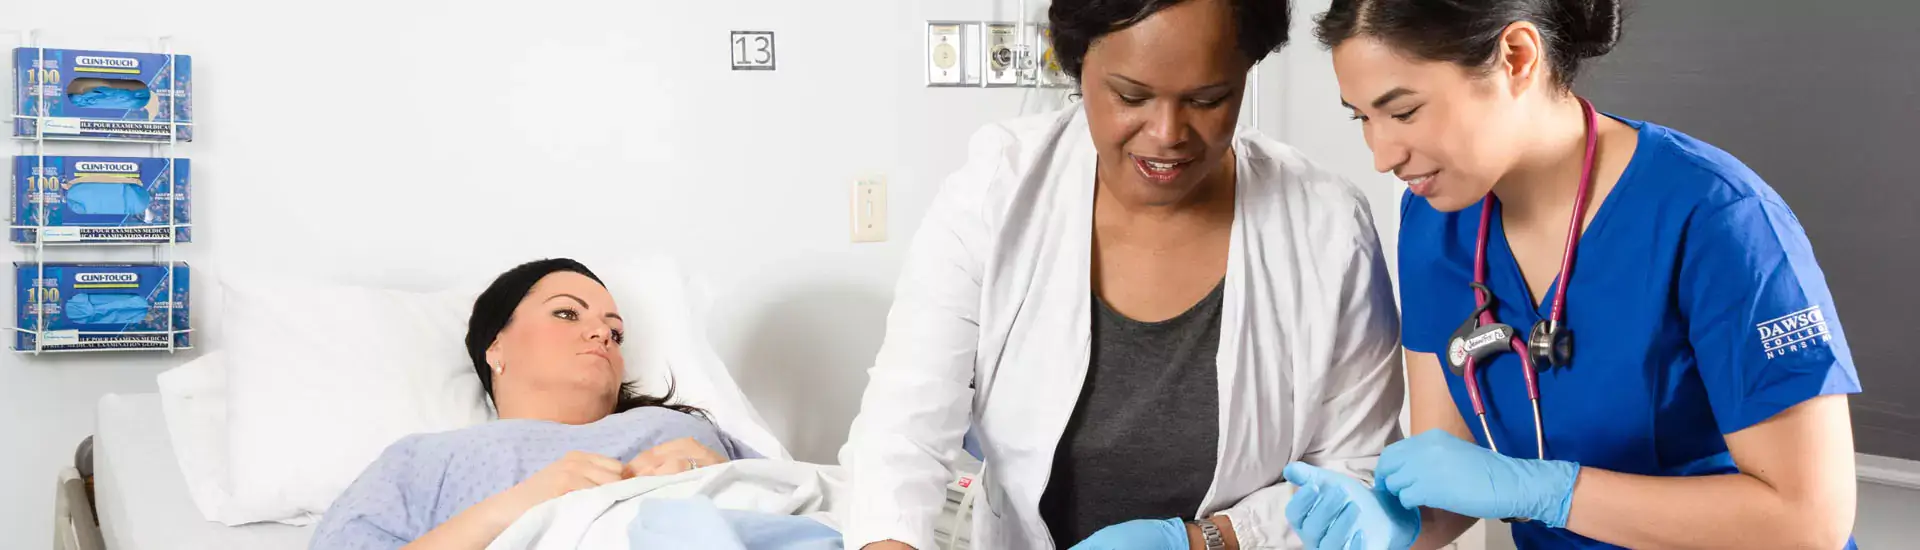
(423, 480)
(1143, 440)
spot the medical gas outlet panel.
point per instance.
(991, 54)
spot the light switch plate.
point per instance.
(952, 56)
(869, 213)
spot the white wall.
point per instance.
(1306, 113)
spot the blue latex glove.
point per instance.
(1333, 511)
(116, 199)
(1437, 470)
(106, 309)
(111, 98)
(1139, 534)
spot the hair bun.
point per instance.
(1593, 26)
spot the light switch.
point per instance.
(870, 210)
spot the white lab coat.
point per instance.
(996, 294)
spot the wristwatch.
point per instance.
(1210, 533)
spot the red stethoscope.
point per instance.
(1550, 344)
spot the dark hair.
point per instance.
(1261, 29)
(494, 309)
(1466, 32)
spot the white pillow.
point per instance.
(321, 378)
(666, 313)
(194, 398)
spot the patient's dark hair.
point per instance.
(1466, 32)
(494, 309)
(1261, 25)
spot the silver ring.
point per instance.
(691, 464)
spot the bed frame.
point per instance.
(74, 524)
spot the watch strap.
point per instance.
(1210, 534)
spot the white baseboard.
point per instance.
(1889, 471)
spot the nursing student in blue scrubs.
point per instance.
(1704, 401)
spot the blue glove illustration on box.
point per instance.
(101, 309)
(108, 198)
(111, 98)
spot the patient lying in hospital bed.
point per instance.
(545, 340)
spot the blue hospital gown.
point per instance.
(423, 480)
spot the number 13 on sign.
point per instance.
(752, 50)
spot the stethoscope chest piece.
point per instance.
(1550, 346)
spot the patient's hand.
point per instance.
(575, 471)
(674, 457)
(482, 522)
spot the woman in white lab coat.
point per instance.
(1144, 311)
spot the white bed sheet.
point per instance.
(142, 496)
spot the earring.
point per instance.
(499, 367)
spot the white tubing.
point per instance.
(1253, 87)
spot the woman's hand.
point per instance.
(673, 457)
(575, 471)
(477, 526)
(1437, 470)
(1333, 511)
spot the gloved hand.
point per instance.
(1139, 534)
(1437, 470)
(1334, 512)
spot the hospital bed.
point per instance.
(143, 503)
(148, 493)
(142, 497)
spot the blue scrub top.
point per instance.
(1697, 310)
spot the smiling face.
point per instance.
(1451, 131)
(562, 344)
(1162, 100)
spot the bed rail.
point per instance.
(74, 527)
